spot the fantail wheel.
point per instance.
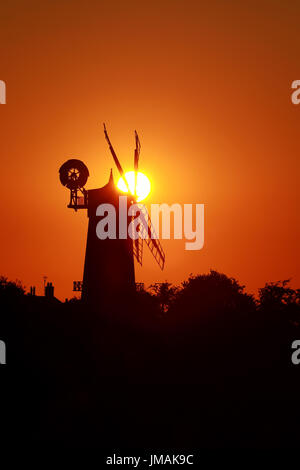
(73, 174)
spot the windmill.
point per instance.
(109, 263)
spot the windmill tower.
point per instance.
(109, 263)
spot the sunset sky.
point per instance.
(207, 85)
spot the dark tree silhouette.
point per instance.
(165, 293)
(212, 371)
(278, 298)
(10, 289)
(203, 297)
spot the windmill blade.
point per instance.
(138, 250)
(147, 233)
(116, 160)
(136, 158)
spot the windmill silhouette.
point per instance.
(109, 263)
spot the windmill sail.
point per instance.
(116, 160)
(136, 159)
(138, 250)
(145, 228)
(148, 233)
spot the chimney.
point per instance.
(49, 290)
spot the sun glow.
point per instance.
(143, 185)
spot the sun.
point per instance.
(143, 185)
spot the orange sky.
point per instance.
(207, 86)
